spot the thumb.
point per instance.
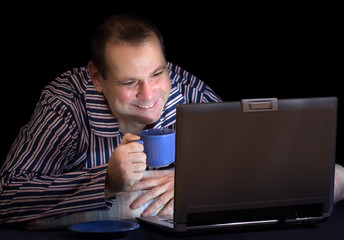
(129, 137)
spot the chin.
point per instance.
(148, 121)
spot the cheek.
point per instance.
(124, 96)
(117, 96)
(166, 86)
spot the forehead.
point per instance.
(130, 60)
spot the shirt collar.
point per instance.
(104, 124)
(168, 116)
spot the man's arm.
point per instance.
(43, 174)
(339, 183)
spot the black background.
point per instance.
(241, 51)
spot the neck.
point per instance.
(125, 128)
(134, 129)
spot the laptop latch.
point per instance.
(259, 105)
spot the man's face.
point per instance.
(137, 84)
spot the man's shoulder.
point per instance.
(192, 88)
(69, 84)
(66, 90)
(182, 77)
(178, 74)
(74, 80)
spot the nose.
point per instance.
(145, 91)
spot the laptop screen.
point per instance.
(233, 165)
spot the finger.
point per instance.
(144, 185)
(147, 183)
(128, 137)
(130, 170)
(154, 193)
(131, 147)
(139, 168)
(123, 157)
(167, 209)
(166, 175)
(134, 174)
(137, 157)
(161, 202)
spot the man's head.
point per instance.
(126, 28)
(128, 66)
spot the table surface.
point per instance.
(333, 228)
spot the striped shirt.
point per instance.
(58, 162)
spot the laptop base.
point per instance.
(164, 224)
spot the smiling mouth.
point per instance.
(145, 106)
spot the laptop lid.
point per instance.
(258, 160)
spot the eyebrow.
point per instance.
(162, 67)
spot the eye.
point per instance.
(130, 83)
(157, 74)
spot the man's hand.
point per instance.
(126, 166)
(161, 189)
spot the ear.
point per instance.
(95, 77)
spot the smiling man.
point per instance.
(76, 160)
(137, 84)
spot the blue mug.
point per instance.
(159, 146)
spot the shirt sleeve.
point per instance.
(43, 175)
(339, 183)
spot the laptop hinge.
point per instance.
(324, 217)
(259, 105)
(180, 227)
(306, 220)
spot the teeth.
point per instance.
(140, 106)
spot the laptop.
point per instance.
(252, 163)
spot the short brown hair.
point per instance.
(123, 28)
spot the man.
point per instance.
(78, 152)
(77, 157)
